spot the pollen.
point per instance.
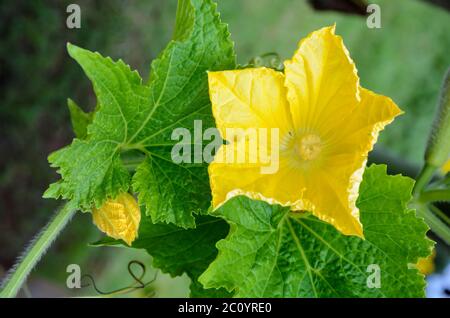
(308, 147)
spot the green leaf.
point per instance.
(172, 191)
(80, 119)
(176, 250)
(136, 116)
(272, 252)
(91, 171)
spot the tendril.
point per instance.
(137, 284)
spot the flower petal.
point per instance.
(119, 218)
(249, 98)
(328, 198)
(361, 128)
(322, 82)
(232, 179)
(347, 153)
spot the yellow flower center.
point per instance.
(308, 147)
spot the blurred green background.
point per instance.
(405, 59)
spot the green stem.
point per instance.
(424, 177)
(440, 214)
(37, 248)
(435, 195)
(435, 224)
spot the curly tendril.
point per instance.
(138, 281)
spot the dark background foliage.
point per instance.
(405, 60)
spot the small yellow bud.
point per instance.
(426, 264)
(119, 218)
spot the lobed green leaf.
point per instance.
(135, 116)
(273, 252)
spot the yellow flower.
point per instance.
(327, 125)
(446, 167)
(426, 264)
(119, 218)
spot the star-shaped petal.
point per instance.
(327, 125)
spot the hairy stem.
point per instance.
(36, 249)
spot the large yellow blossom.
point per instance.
(327, 125)
(119, 218)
